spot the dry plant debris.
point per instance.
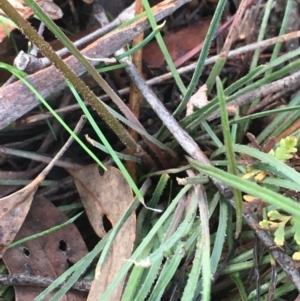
(46, 256)
(178, 43)
(108, 195)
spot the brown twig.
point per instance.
(38, 281)
(268, 100)
(291, 129)
(287, 83)
(134, 94)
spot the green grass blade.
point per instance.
(121, 156)
(141, 279)
(149, 280)
(142, 44)
(266, 113)
(212, 134)
(251, 188)
(281, 121)
(53, 229)
(262, 32)
(144, 220)
(220, 237)
(5, 20)
(278, 182)
(230, 157)
(163, 48)
(166, 274)
(190, 288)
(286, 170)
(283, 29)
(240, 285)
(115, 231)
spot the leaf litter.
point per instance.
(46, 256)
(107, 195)
(105, 208)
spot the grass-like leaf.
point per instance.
(251, 188)
(163, 48)
(230, 157)
(284, 169)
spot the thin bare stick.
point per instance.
(38, 281)
(287, 83)
(36, 157)
(234, 28)
(47, 169)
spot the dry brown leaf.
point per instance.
(13, 211)
(199, 100)
(47, 256)
(108, 195)
(101, 195)
(178, 44)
